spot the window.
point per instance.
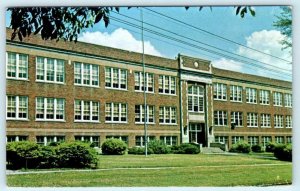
(266, 140)
(17, 107)
(167, 115)
(264, 97)
(253, 140)
(236, 93)
(277, 98)
(251, 96)
(221, 139)
(122, 138)
(220, 118)
(220, 91)
(140, 140)
(289, 140)
(288, 101)
(288, 121)
(169, 140)
(237, 118)
(115, 78)
(236, 139)
(95, 140)
(86, 74)
(140, 114)
(252, 119)
(16, 138)
(265, 120)
(87, 111)
(196, 98)
(167, 85)
(116, 112)
(46, 140)
(278, 121)
(50, 70)
(50, 109)
(139, 82)
(17, 66)
(279, 139)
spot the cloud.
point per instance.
(264, 41)
(120, 38)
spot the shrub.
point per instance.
(48, 157)
(270, 147)
(257, 148)
(23, 154)
(283, 152)
(159, 147)
(139, 151)
(186, 148)
(76, 155)
(114, 147)
(241, 147)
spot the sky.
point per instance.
(255, 32)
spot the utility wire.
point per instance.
(218, 36)
(176, 34)
(193, 45)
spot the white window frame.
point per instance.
(142, 112)
(16, 138)
(288, 121)
(111, 112)
(119, 79)
(289, 139)
(141, 140)
(222, 117)
(139, 82)
(123, 138)
(279, 139)
(288, 100)
(91, 74)
(55, 108)
(163, 114)
(55, 139)
(236, 93)
(278, 121)
(221, 139)
(236, 139)
(196, 99)
(17, 108)
(91, 111)
(237, 116)
(220, 91)
(251, 95)
(265, 120)
(163, 87)
(266, 140)
(277, 99)
(91, 139)
(45, 63)
(264, 97)
(172, 140)
(253, 140)
(252, 119)
(17, 66)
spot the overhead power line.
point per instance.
(218, 36)
(203, 43)
(195, 46)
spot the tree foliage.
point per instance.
(284, 24)
(67, 22)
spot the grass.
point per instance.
(174, 170)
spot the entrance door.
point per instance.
(196, 133)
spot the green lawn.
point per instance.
(174, 170)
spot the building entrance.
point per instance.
(197, 133)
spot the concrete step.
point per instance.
(212, 150)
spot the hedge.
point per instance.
(241, 147)
(114, 147)
(283, 152)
